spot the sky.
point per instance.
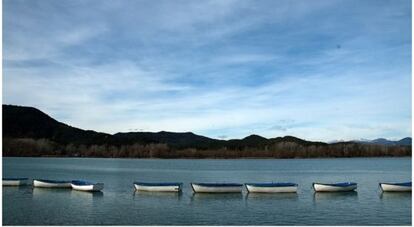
(320, 70)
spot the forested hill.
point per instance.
(28, 131)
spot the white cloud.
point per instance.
(216, 67)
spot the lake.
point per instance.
(118, 204)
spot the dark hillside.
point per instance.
(29, 122)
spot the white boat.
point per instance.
(14, 181)
(217, 187)
(42, 183)
(336, 187)
(158, 187)
(271, 187)
(395, 187)
(86, 186)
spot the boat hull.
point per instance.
(14, 182)
(46, 184)
(159, 188)
(387, 187)
(203, 188)
(332, 188)
(271, 189)
(88, 188)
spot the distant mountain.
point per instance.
(381, 141)
(28, 131)
(407, 141)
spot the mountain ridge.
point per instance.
(32, 129)
(382, 141)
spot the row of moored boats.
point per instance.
(79, 185)
(208, 187)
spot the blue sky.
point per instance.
(319, 70)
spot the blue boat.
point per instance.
(158, 187)
(44, 183)
(271, 187)
(396, 187)
(81, 185)
(14, 181)
(15, 178)
(334, 187)
(217, 187)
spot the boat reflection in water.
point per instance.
(16, 189)
(384, 196)
(86, 195)
(219, 197)
(272, 196)
(39, 193)
(157, 195)
(11, 192)
(335, 196)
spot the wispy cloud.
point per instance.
(321, 71)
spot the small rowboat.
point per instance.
(395, 187)
(42, 183)
(86, 186)
(14, 181)
(271, 187)
(337, 187)
(158, 187)
(217, 187)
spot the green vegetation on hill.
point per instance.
(29, 132)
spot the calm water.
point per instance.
(119, 205)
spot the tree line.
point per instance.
(28, 147)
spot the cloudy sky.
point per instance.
(319, 70)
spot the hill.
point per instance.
(28, 131)
(29, 122)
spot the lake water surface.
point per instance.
(118, 204)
